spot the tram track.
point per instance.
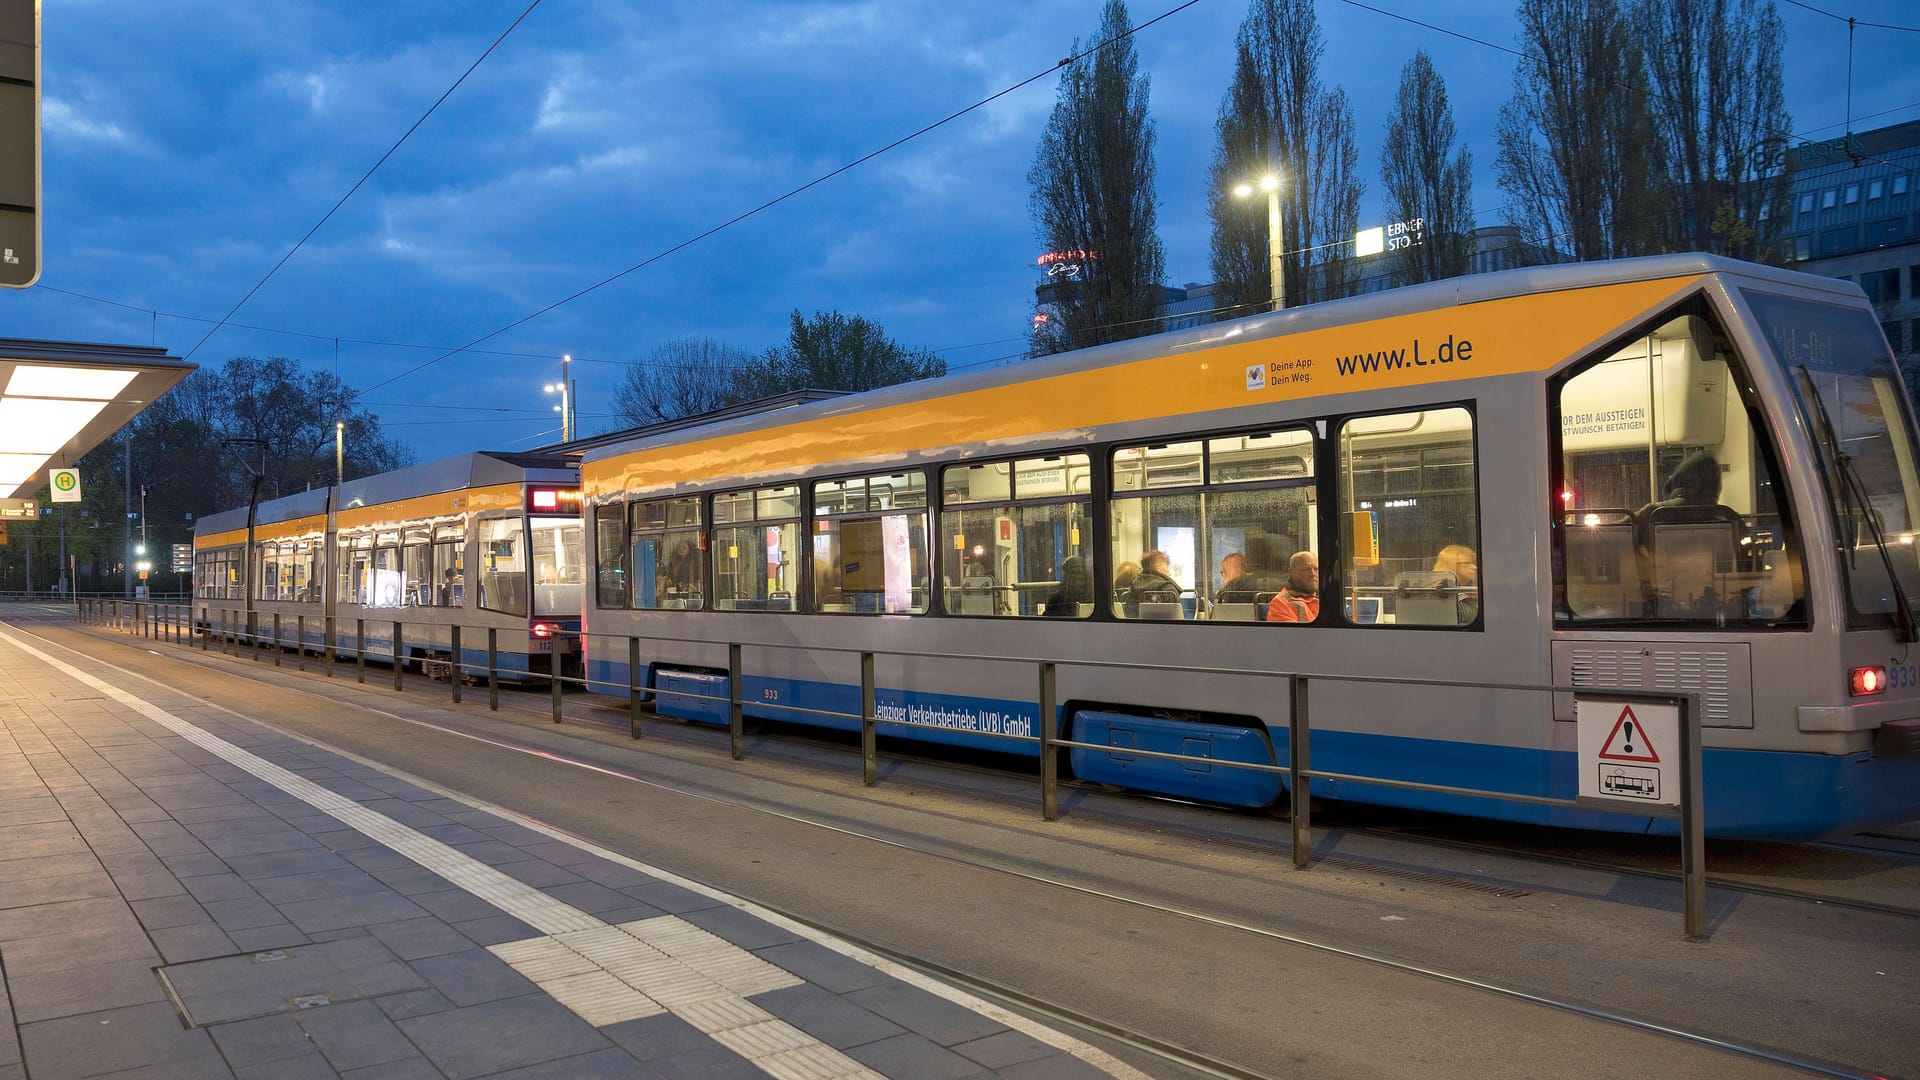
(1172, 1054)
(1280, 845)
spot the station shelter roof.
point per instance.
(60, 399)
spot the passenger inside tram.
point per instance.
(1154, 594)
(1074, 597)
(1299, 601)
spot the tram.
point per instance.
(482, 541)
(1677, 473)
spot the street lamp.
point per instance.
(1277, 275)
(565, 389)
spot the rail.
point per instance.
(239, 630)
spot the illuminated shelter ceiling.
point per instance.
(60, 399)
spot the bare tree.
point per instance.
(832, 351)
(291, 414)
(1420, 180)
(1092, 190)
(1277, 117)
(682, 377)
(1718, 104)
(1577, 156)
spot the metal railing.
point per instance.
(237, 632)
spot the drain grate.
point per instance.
(1506, 892)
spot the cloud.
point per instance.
(63, 118)
(816, 25)
(566, 101)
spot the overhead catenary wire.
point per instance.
(471, 348)
(777, 200)
(363, 178)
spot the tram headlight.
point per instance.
(1867, 681)
(543, 631)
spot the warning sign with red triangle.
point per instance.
(1628, 740)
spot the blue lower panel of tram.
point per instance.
(1750, 793)
(1193, 779)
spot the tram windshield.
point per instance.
(1856, 410)
(1672, 512)
(559, 567)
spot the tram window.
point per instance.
(756, 549)
(1670, 510)
(1013, 526)
(263, 565)
(870, 544)
(669, 567)
(503, 564)
(610, 555)
(356, 568)
(559, 566)
(449, 577)
(416, 570)
(306, 566)
(1409, 503)
(1242, 505)
(217, 574)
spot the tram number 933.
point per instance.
(1902, 676)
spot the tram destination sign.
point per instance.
(19, 510)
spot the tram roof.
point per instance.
(60, 399)
(478, 469)
(1410, 299)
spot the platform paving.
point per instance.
(189, 893)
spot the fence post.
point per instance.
(1297, 769)
(493, 668)
(331, 654)
(253, 633)
(279, 646)
(399, 652)
(360, 649)
(736, 717)
(1693, 823)
(869, 738)
(1049, 753)
(553, 681)
(633, 687)
(455, 673)
(300, 642)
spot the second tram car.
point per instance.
(483, 541)
(1680, 473)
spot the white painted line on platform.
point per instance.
(1059, 1040)
(598, 994)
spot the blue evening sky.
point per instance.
(190, 144)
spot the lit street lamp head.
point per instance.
(1276, 273)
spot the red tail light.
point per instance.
(1866, 681)
(544, 630)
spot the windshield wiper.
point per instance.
(1855, 492)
